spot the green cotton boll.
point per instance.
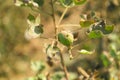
(66, 38)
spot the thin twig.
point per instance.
(63, 14)
(64, 67)
(48, 76)
(42, 37)
(56, 25)
(54, 1)
(70, 53)
(83, 72)
(67, 25)
(53, 15)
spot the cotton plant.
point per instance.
(96, 28)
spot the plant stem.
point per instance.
(63, 14)
(54, 1)
(53, 15)
(67, 25)
(56, 25)
(48, 76)
(64, 67)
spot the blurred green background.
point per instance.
(12, 26)
(16, 52)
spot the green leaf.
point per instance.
(57, 76)
(92, 14)
(101, 25)
(113, 51)
(73, 76)
(95, 34)
(37, 20)
(79, 2)
(105, 60)
(65, 38)
(33, 21)
(83, 51)
(35, 28)
(37, 66)
(38, 29)
(83, 16)
(41, 77)
(39, 2)
(66, 3)
(108, 29)
(60, 76)
(86, 23)
(30, 19)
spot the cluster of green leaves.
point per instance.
(96, 26)
(114, 49)
(96, 29)
(111, 58)
(39, 3)
(35, 29)
(39, 67)
(114, 52)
